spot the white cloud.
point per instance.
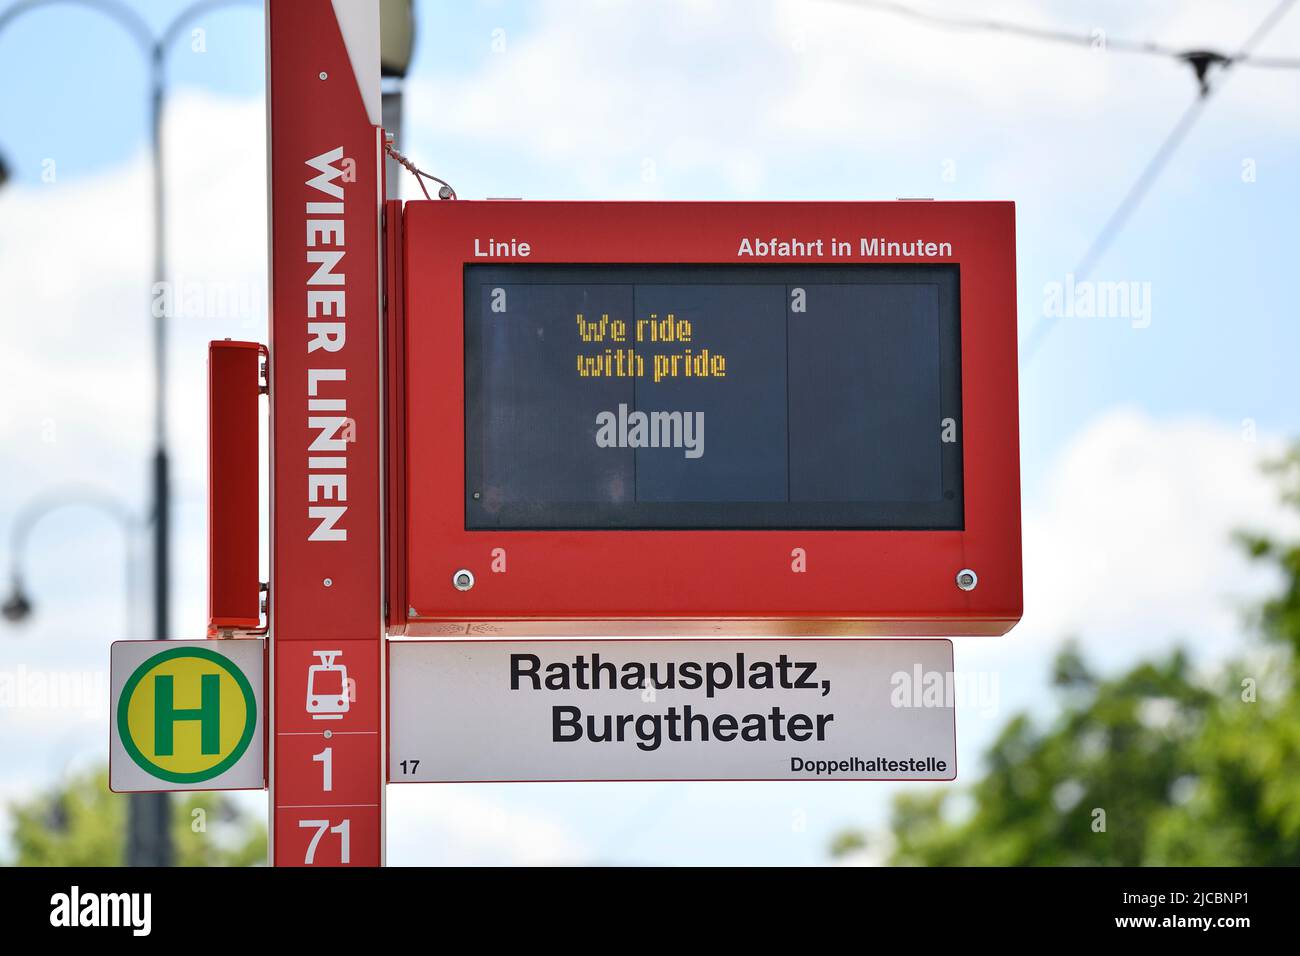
(723, 96)
(456, 825)
(1128, 545)
(75, 260)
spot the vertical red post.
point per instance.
(326, 604)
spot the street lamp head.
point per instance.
(4, 172)
(396, 36)
(17, 606)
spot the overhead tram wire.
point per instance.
(1201, 62)
(1047, 34)
(1038, 334)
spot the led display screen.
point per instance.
(712, 397)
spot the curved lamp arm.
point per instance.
(17, 606)
(127, 18)
(116, 11)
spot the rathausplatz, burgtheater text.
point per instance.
(675, 724)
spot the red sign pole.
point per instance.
(326, 609)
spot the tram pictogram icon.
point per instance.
(328, 696)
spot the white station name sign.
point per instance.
(482, 711)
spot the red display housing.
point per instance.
(676, 582)
(234, 384)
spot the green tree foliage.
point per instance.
(82, 823)
(1158, 766)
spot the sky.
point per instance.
(1141, 433)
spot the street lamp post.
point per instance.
(17, 606)
(150, 843)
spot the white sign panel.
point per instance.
(187, 715)
(481, 711)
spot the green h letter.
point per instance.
(165, 714)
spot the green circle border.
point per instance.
(124, 702)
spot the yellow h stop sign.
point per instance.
(186, 714)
